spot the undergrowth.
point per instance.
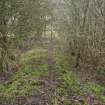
(25, 82)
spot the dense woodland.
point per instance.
(52, 52)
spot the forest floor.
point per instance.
(38, 83)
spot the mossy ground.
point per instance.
(26, 81)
